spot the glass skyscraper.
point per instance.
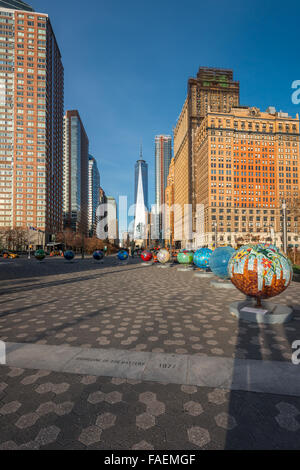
(75, 181)
(141, 167)
(93, 193)
(140, 198)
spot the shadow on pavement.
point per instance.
(256, 412)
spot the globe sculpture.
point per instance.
(219, 260)
(163, 256)
(69, 255)
(185, 257)
(40, 255)
(260, 271)
(98, 255)
(122, 255)
(146, 256)
(202, 258)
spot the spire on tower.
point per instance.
(141, 151)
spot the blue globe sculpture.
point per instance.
(123, 255)
(202, 258)
(69, 255)
(219, 261)
(98, 255)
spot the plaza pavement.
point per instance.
(127, 313)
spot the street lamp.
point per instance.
(29, 247)
(216, 234)
(284, 223)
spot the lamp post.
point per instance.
(28, 242)
(216, 234)
(284, 228)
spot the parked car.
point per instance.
(10, 255)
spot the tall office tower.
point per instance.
(141, 168)
(31, 126)
(169, 202)
(75, 180)
(112, 220)
(101, 216)
(163, 157)
(246, 163)
(140, 199)
(212, 90)
(93, 197)
(16, 5)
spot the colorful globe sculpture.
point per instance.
(98, 255)
(40, 255)
(123, 255)
(202, 258)
(260, 271)
(69, 255)
(163, 256)
(146, 256)
(185, 257)
(219, 260)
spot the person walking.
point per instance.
(132, 249)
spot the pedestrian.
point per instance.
(132, 247)
(105, 250)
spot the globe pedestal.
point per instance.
(267, 313)
(146, 264)
(225, 284)
(164, 266)
(185, 268)
(203, 274)
(122, 263)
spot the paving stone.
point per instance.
(156, 408)
(9, 445)
(193, 408)
(147, 397)
(47, 435)
(143, 445)
(26, 421)
(10, 408)
(218, 396)
(96, 397)
(88, 380)
(90, 435)
(106, 420)
(189, 389)
(145, 421)
(225, 421)
(113, 397)
(58, 389)
(198, 436)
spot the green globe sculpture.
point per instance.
(40, 255)
(185, 257)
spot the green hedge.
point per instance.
(296, 269)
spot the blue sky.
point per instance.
(127, 64)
